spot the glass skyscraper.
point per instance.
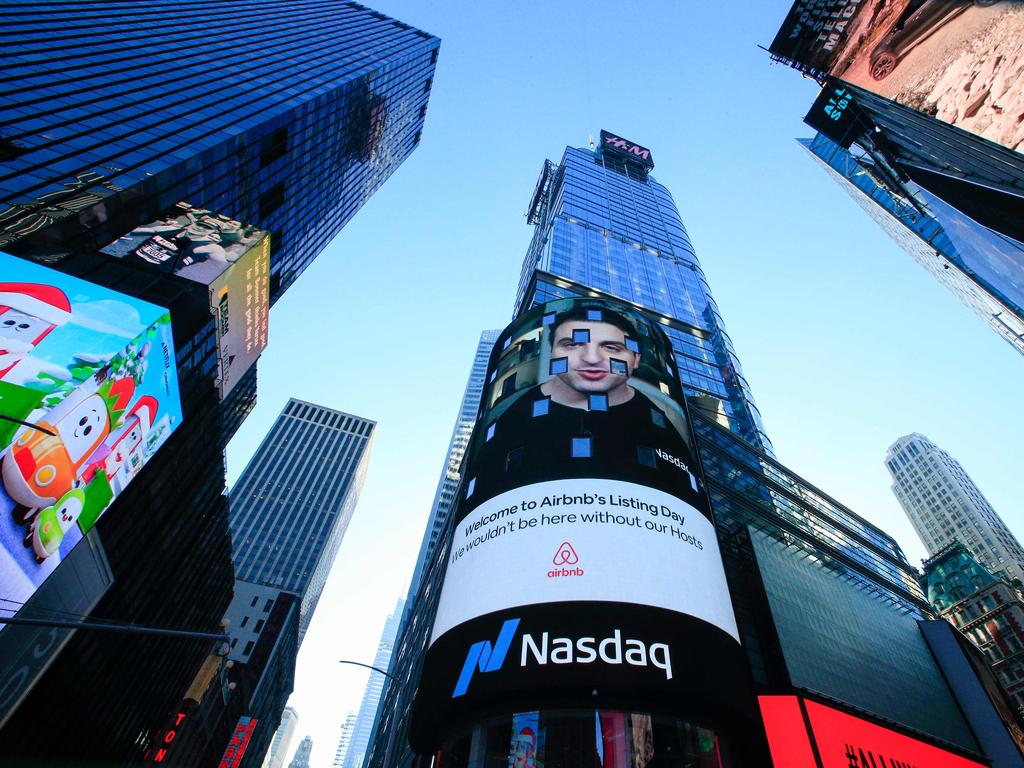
(294, 500)
(945, 506)
(449, 480)
(363, 727)
(604, 223)
(802, 568)
(283, 115)
(982, 268)
(286, 116)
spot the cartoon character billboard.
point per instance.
(584, 561)
(231, 259)
(958, 60)
(88, 393)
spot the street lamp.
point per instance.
(368, 666)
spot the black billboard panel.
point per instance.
(584, 566)
(835, 114)
(626, 149)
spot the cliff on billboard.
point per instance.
(231, 259)
(961, 61)
(88, 393)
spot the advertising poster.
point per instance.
(961, 61)
(88, 393)
(584, 557)
(232, 259)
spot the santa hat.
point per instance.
(46, 302)
(146, 410)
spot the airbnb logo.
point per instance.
(565, 555)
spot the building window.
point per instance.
(259, 626)
(255, 600)
(273, 147)
(267, 605)
(245, 620)
(248, 648)
(271, 200)
(508, 385)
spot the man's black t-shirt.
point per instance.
(537, 439)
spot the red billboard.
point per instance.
(959, 61)
(235, 751)
(797, 728)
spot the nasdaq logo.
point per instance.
(485, 657)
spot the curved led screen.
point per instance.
(584, 568)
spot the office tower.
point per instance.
(449, 480)
(986, 609)
(287, 117)
(282, 740)
(363, 727)
(804, 571)
(310, 112)
(344, 740)
(923, 235)
(954, 171)
(944, 505)
(301, 758)
(294, 500)
(607, 225)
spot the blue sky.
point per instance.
(847, 344)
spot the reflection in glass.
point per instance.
(582, 739)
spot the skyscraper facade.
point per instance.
(344, 739)
(282, 740)
(909, 221)
(292, 116)
(301, 758)
(363, 726)
(293, 502)
(602, 222)
(288, 117)
(987, 610)
(796, 559)
(449, 480)
(944, 505)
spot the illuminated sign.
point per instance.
(235, 751)
(230, 258)
(161, 745)
(835, 114)
(609, 141)
(843, 740)
(88, 394)
(583, 554)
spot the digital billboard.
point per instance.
(235, 750)
(584, 561)
(88, 393)
(797, 728)
(231, 259)
(958, 60)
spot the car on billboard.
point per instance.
(88, 394)
(918, 22)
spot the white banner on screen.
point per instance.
(566, 540)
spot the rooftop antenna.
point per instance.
(590, 136)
